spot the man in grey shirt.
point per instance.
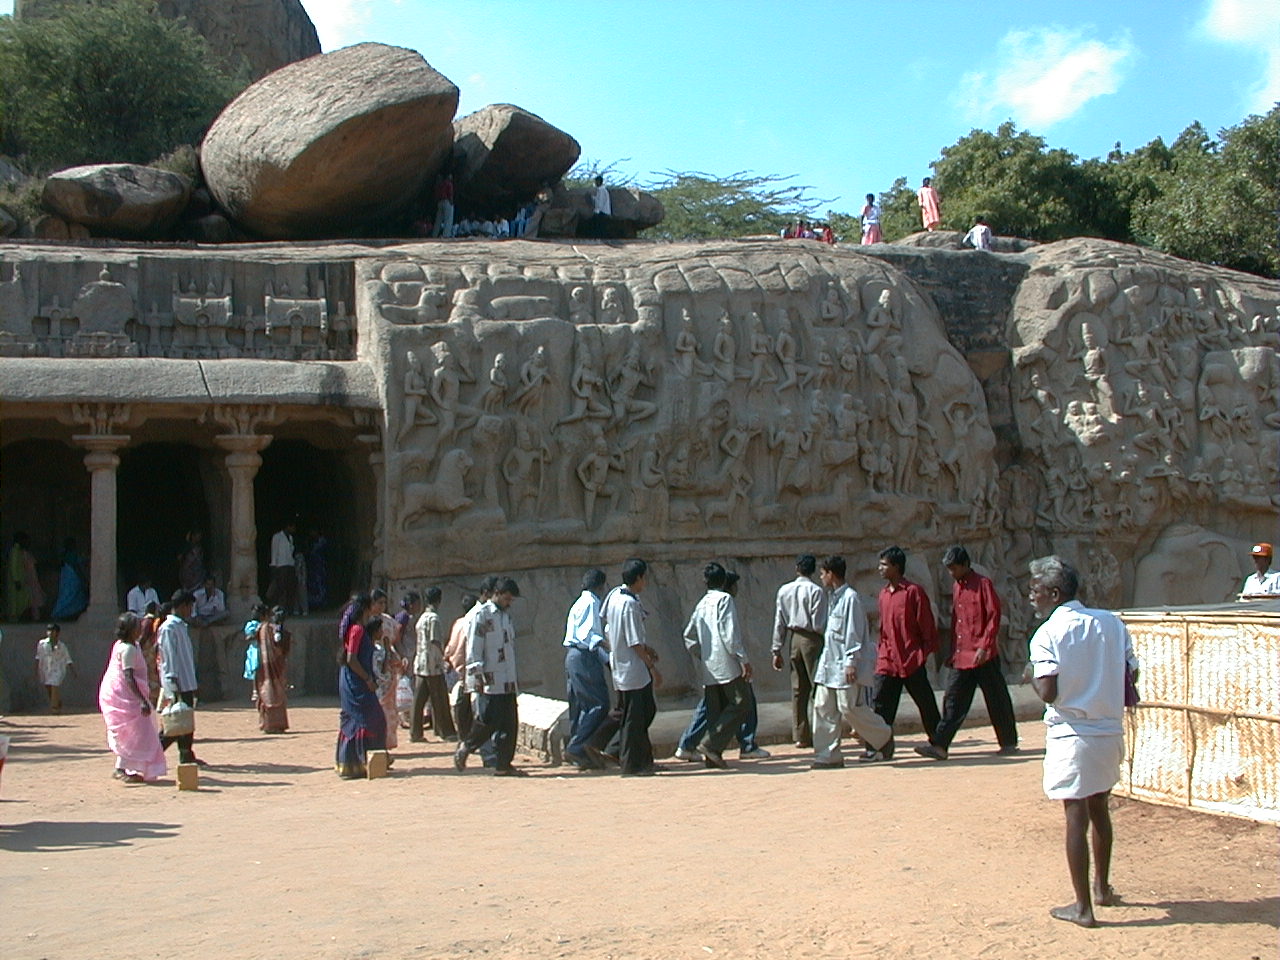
(178, 668)
(714, 637)
(801, 615)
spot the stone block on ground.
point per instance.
(188, 776)
(570, 210)
(118, 199)
(377, 765)
(544, 724)
(507, 155)
(331, 146)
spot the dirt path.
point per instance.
(912, 859)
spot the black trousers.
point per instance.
(496, 718)
(635, 753)
(959, 698)
(186, 742)
(727, 705)
(431, 688)
(889, 692)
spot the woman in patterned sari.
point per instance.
(362, 724)
(273, 670)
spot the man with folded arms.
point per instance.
(845, 676)
(714, 637)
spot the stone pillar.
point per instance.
(102, 463)
(378, 462)
(242, 463)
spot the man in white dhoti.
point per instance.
(1078, 658)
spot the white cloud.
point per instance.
(1254, 25)
(1042, 76)
(339, 23)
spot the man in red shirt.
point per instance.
(975, 657)
(908, 635)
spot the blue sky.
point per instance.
(844, 95)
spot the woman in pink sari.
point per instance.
(131, 728)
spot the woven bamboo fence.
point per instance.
(1206, 734)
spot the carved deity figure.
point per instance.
(524, 469)
(495, 394)
(535, 376)
(760, 345)
(630, 376)
(588, 388)
(791, 443)
(1097, 366)
(786, 349)
(593, 474)
(446, 387)
(611, 308)
(904, 412)
(687, 362)
(415, 410)
(884, 332)
(580, 306)
(725, 350)
(831, 310)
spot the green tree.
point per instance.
(1219, 202)
(110, 82)
(702, 206)
(1023, 188)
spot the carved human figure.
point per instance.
(580, 306)
(649, 487)
(824, 365)
(928, 465)
(687, 362)
(1155, 433)
(588, 388)
(535, 376)
(786, 349)
(630, 376)
(415, 411)
(593, 474)
(611, 308)
(1097, 366)
(446, 387)
(760, 345)
(791, 443)
(724, 350)
(831, 310)
(904, 412)
(736, 475)
(884, 332)
(1140, 339)
(495, 393)
(524, 469)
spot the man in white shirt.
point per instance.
(428, 671)
(178, 668)
(210, 603)
(585, 654)
(844, 681)
(1263, 582)
(714, 636)
(801, 614)
(632, 660)
(283, 588)
(979, 235)
(602, 210)
(491, 669)
(139, 596)
(1078, 659)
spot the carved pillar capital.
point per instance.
(243, 418)
(101, 419)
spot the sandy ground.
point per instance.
(276, 857)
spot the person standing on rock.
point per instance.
(714, 636)
(908, 634)
(443, 193)
(844, 681)
(1078, 661)
(975, 659)
(632, 660)
(602, 210)
(930, 205)
(491, 674)
(979, 235)
(585, 654)
(800, 613)
(871, 221)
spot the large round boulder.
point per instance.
(118, 199)
(506, 156)
(331, 145)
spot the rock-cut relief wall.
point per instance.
(1147, 392)
(555, 409)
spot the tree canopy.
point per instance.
(102, 83)
(701, 206)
